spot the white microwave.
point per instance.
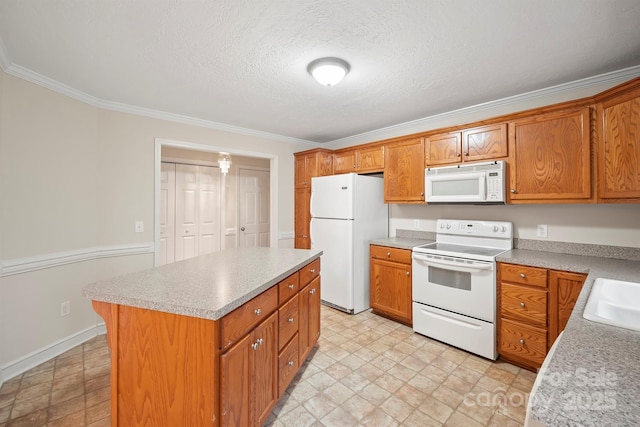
(477, 183)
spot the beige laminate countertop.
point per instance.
(208, 286)
(593, 378)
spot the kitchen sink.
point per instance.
(615, 303)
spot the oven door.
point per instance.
(460, 285)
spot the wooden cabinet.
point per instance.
(404, 171)
(308, 164)
(551, 158)
(309, 301)
(390, 283)
(360, 160)
(479, 143)
(534, 305)
(618, 127)
(248, 377)
(318, 162)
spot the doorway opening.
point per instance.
(199, 210)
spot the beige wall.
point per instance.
(75, 177)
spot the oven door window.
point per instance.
(450, 278)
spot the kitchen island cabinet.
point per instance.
(197, 342)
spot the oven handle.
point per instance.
(476, 266)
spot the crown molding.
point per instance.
(63, 89)
(39, 262)
(563, 92)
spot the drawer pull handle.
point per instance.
(388, 254)
(254, 346)
(313, 270)
(522, 342)
(408, 273)
(292, 286)
(522, 275)
(260, 341)
(521, 304)
(290, 363)
(257, 311)
(290, 319)
(312, 291)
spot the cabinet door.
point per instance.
(484, 143)
(300, 172)
(404, 172)
(443, 149)
(264, 369)
(564, 289)
(344, 162)
(390, 291)
(302, 218)
(235, 378)
(309, 331)
(370, 159)
(619, 150)
(552, 157)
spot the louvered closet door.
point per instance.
(167, 212)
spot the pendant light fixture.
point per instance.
(328, 71)
(224, 161)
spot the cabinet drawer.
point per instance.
(236, 324)
(288, 321)
(391, 254)
(521, 342)
(287, 364)
(525, 275)
(288, 288)
(309, 272)
(524, 304)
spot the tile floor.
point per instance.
(366, 371)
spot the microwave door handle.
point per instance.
(456, 265)
(483, 187)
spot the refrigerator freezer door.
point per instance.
(333, 196)
(335, 238)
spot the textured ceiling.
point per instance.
(243, 62)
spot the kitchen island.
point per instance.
(212, 340)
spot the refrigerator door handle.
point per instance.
(311, 203)
(311, 230)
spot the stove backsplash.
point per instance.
(416, 234)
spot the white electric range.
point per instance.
(454, 283)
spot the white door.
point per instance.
(167, 212)
(253, 200)
(208, 202)
(186, 211)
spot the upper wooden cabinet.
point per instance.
(619, 147)
(318, 162)
(551, 158)
(479, 143)
(404, 172)
(362, 160)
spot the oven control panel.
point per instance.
(501, 229)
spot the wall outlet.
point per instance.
(416, 223)
(541, 231)
(65, 308)
(139, 226)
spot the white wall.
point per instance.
(617, 225)
(75, 178)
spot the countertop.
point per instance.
(400, 242)
(208, 286)
(593, 378)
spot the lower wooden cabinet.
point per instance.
(534, 305)
(309, 318)
(390, 283)
(248, 377)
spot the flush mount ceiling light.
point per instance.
(328, 71)
(224, 161)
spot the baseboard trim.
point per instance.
(19, 366)
(24, 265)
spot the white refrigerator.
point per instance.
(347, 211)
